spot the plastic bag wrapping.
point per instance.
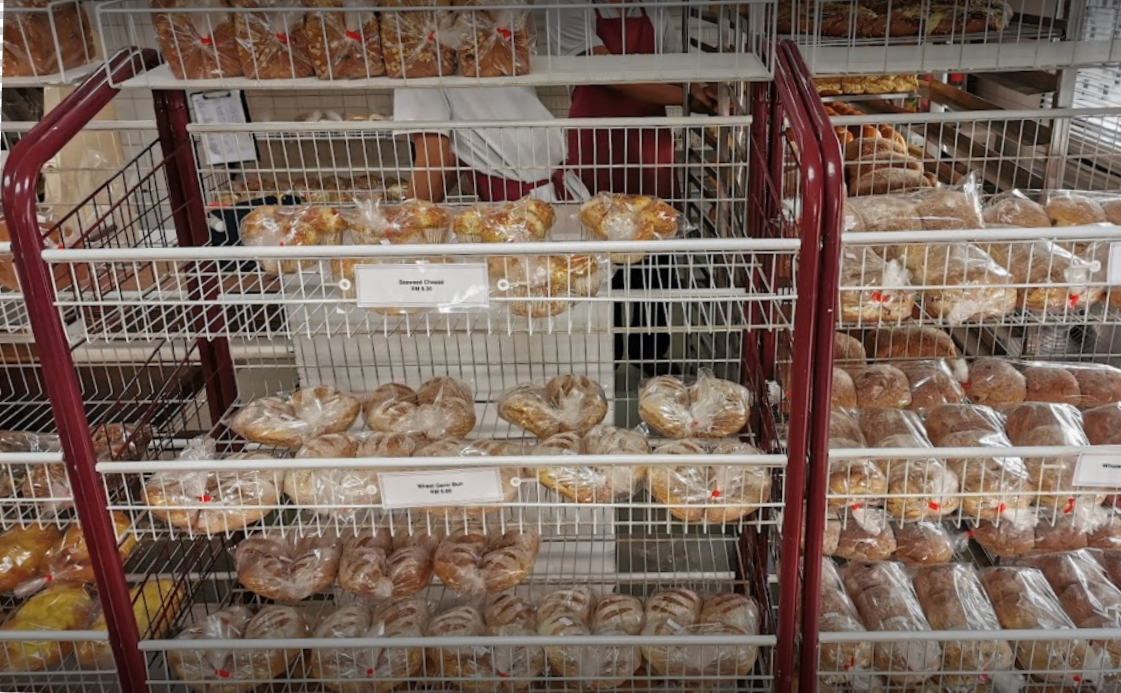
(151, 602)
(880, 424)
(1059, 281)
(1047, 382)
(30, 44)
(343, 44)
(59, 607)
(932, 383)
(1110, 560)
(510, 476)
(272, 226)
(379, 564)
(237, 671)
(612, 217)
(845, 426)
(947, 419)
(1011, 534)
(921, 489)
(287, 568)
(927, 543)
(1013, 208)
(1106, 533)
(938, 209)
(870, 539)
(953, 599)
(1084, 589)
(198, 45)
(341, 493)
(476, 668)
(959, 283)
(212, 502)
(995, 382)
(522, 221)
(836, 614)
(442, 407)
(375, 669)
(1102, 425)
(564, 403)
(681, 612)
(290, 422)
(916, 342)
(577, 611)
(24, 552)
(708, 408)
(991, 486)
(474, 561)
(843, 394)
(272, 43)
(1023, 600)
(69, 561)
(854, 483)
(413, 41)
(881, 385)
(1098, 384)
(710, 492)
(886, 601)
(542, 286)
(1066, 208)
(598, 484)
(414, 222)
(873, 291)
(492, 43)
(1097, 253)
(1050, 478)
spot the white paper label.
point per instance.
(223, 107)
(440, 487)
(1099, 467)
(1114, 263)
(451, 288)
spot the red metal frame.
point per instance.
(60, 379)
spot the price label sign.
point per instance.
(450, 288)
(440, 487)
(1099, 467)
(1115, 263)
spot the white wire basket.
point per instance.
(49, 43)
(499, 42)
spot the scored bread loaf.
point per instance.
(369, 669)
(711, 492)
(594, 484)
(481, 669)
(564, 403)
(474, 561)
(289, 423)
(287, 568)
(709, 408)
(576, 612)
(213, 502)
(441, 407)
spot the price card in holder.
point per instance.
(1114, 264)
(1100, 467)
(440, 487)
(450, 288)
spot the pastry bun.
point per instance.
(474, 561)
(440, 408)
(710, 408)
(565, 403)
(289, 423)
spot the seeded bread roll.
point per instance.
(1051, 384)
(881, 385)
(996, 383)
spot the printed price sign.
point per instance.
(1099, 467)
(450, 288)
(1115, 263)
(440, 487)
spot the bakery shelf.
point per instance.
(49, 43)
(68, 77)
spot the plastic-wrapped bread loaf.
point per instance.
(1102, 425)
(1011, 534)
(1098, 384)
(927, 543)
(945, 209)
(869, 538)
(378, 566)
(952, 598)
(441, 407)
(881, 385)
(612, 217)
(480, 670)
(848, 351)
(1072, 209)
(873, 291)
(932, 383)
(854, 483)
(1023, 600)
(474, 561)
(308, 413)
(838, 614)
(271, 226)
(1051, 383)
(1052, 478)
(598, 484)
(415, 42)
(912, 342)
(1015, 209)
(1057, 280)
(343, 44)
(287, 568)
(947, 419)
(564, 403)
(710, 492)
(509, 477)
(886, 601)
(921, 489)
(59, 607)
(493, 43)
(880, 424)
(272, 43)
(709, 408)
(992, 485)
(34, 41)
(578, 612)
(24, 552)
(370, 669)
(964, 283)
(995, 382)
(197, 45)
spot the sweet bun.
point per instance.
(1051, 384)
(564, 403)
(881, 385)
(524, 220)
(440, 408)
(996, 383)
(614, 217)
(369, 669)
(1098, 386)
(474, 561)
(287, 568)
(1074, 210)
(709, 408)
(288, 423)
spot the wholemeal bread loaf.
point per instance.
(995, 382)
(932, 383)
(1051, 384)
(925, 543)
(881, 385)
(1014, 209)
(1102, 425)
(1069, 209)
(992, 485)
(943, 420)
(912, 342)
(866, 535)
(1098, 385)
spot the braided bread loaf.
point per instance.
(370, 669)
(564, 403)
(474, 561)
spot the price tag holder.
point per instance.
(1115, 263)
(1100, 467)
(427, 488)
(449, 288)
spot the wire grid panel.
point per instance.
(49, 43)
(869, 37)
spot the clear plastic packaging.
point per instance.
(473, 561)
(708, 408)
(373, 669)
(843, 394)
(710, 492)
(1013, 208)
(855, 483)
(97, 655)
(24, 552)
(873, 291)
(869, 539)
(271, 43)
(1098, 384)
(442, 407)
(915, 342)
(197, 45)
(991, 485)
(881, 385)
(932, 383)
(844, 426)
(947, 419)
(884, 424)
(612, 217)
(1110, 560)
(841, 662)
(290, 422)
(886, 601)
(961, 282)
(271, 226)
(343, 44)
(476, 668)
(1051, 383)
(510, 476)
(1023, 600)
(564, 403)
(413, 222)
(1084, 589)
(927, 543)
(377, 564)
(542, 286)
(1073, 209)
(522, 221)
(1044, 424)
(30, 44)
(922, 489)
(681, 612)
(953, 599)
(577, 612)
(995, 382)
(1057, 280)
(69, 561)
(599, 484)
(413, 42)
(237, 671)
(59, 607)
(493, 43)
(1011, 534)
(287, 568)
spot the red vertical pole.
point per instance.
(60, 377)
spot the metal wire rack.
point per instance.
(726, 40)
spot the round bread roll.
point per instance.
(945, 419)
(1102, 425)
(1017, 211)
(370, 669)
(473, 561)
(287, 568)
(682, 613)
(564, 403)
(922, 490)
(992, 485)
(307, 413)
(879, 424)
(1098, 386)
(881, 385)
(710, 408)
(948, 209)
(509, 477)
(848, 351)
(854, 483)
(213, 502)
(238, 671)
(594, 484)
(844, 390)
(441, 408)
(932, 383)
(512, 617)
(885, 213)
(924, 543)
(1063, 532)
(912, 342)
(995, 382)
(843, 426)
(1051, 384)
(1022, 420)
(1074, 210)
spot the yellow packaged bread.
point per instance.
(60, 607)
(155, 605)
(23, 553)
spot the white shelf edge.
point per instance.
(73, 76)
